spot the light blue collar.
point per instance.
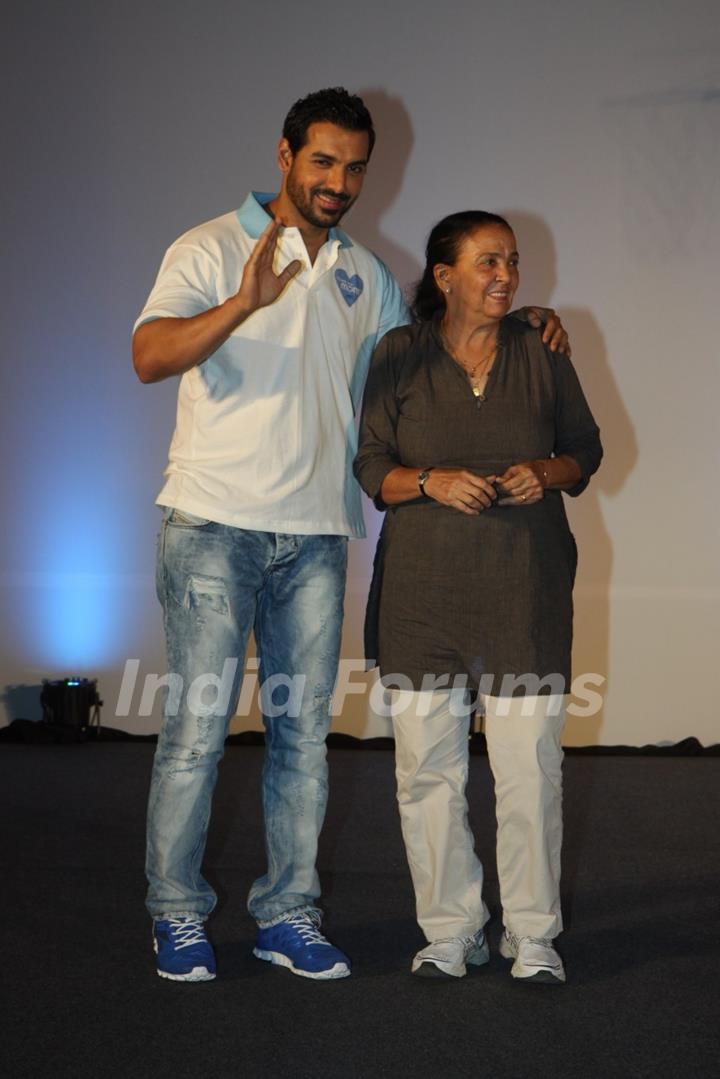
(254, 218)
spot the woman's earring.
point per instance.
(448, 290)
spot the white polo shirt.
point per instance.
(265, 434)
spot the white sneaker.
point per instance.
(535, 958)
(446, 958)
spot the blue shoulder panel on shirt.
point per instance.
(252, 215)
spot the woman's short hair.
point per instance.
(331, 106)
(443, 246)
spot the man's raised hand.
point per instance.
(171, 346)
(260, 284)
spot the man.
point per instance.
(270, 316)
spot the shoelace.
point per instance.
(545, 942)
(308, 929)
(467, 942)
(451, 940)
(186, 931)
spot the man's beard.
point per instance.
(304, 204)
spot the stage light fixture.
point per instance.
(72, 705)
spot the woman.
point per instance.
(471, 429)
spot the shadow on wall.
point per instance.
(22, 702)
(395, 139)
(591, 651)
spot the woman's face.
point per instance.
(485, 276)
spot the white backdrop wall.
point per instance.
(594, 127)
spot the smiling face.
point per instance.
(484, 277)
(325, 176)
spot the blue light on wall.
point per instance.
(75, 546)
(82, 468)
(73, 626)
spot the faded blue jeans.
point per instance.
(216, 583)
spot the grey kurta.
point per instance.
(452, 594)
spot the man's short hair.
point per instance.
(332, 106)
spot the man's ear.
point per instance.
(285, 156)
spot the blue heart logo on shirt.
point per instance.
(350, 287)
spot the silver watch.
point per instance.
(423, 478)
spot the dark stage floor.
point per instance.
(642, 943)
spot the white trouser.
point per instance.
(431, 748)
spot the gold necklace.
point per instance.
(474, 377)
(472, 374)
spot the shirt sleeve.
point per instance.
(576, 433)
(393, 309)
(377, 446)
(185, 284)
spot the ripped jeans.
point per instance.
(216, 584)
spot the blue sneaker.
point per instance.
(184, 954)
(298, 944)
